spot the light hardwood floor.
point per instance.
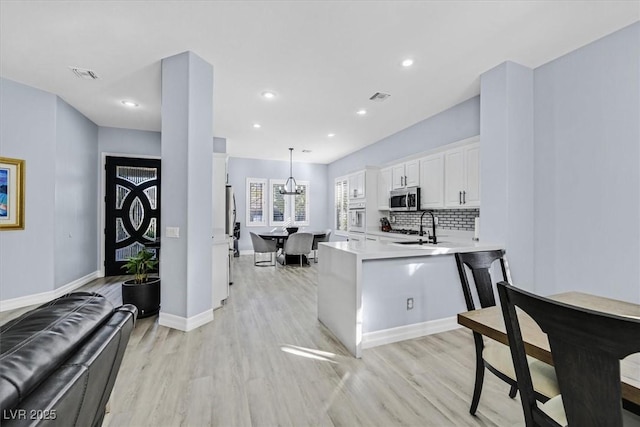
(265, 360)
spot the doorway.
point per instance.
(132, 210)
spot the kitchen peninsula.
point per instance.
(373, 292)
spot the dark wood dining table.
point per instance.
(280, 236)
(490, 323)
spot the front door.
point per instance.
(132, 209)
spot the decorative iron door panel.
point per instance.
(132, 209)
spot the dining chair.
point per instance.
(586, 347)
(264, 246)
(491, 354)
(298, 244)
(319, 239)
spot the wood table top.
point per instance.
(489, 322)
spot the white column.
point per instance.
(186, 213)
(506, 145)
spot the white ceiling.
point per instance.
(324, 59)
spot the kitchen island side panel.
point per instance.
(432, 282)
(339, 302)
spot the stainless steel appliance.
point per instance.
(357, 217)
(404, 199)
(230, 223)
(230, 203)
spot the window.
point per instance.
(288, 210)
(341, 204)
(256, 202)
(301, 205)
(277, 205)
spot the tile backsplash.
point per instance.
(451, 219)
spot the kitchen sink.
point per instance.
(420, 243)
(414, 242)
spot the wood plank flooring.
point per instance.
(265, 360)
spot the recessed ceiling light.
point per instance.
(331, 135)
(306, 151)
(130, 103)
(267, 94)
(361, 112)
(257, 125)
(407, 62)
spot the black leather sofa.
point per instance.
(59, 362)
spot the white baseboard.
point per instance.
(184, 323)
(41, 298)
(401, 333)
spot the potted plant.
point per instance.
(142, 291)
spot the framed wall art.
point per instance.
(11, 194)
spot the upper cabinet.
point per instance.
(384, 187)
(357, 186)
(432, 181)
(405, 174)
(448, 177)
(462, 176)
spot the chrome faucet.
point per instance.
(433, 237)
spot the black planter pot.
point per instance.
(145, 296)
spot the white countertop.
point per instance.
(448, 244)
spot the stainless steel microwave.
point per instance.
(404, 199)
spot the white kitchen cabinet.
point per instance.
(462, 177)
(356, 237)
(220, 271)
(363, 194)
(405, 174)
(357, 186)
(432, 181)
(384, 187)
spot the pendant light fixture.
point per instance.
(290, 187)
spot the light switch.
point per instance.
(172, 232)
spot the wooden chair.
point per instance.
(587, 346)
(316, 240)
(491, 354)
(298, 244)
(263, 246)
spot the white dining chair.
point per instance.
(264, 246)
(298, 244)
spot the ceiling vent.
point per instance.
(379, 96)
(83, 73)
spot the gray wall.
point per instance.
(128, 141)
(76, 208)
(59, 145)
(587, 158)
(240, 169)
(28, 132)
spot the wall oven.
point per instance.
(357, 217)
(404, 199)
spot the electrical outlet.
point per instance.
(435, 220)
(409, 303)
